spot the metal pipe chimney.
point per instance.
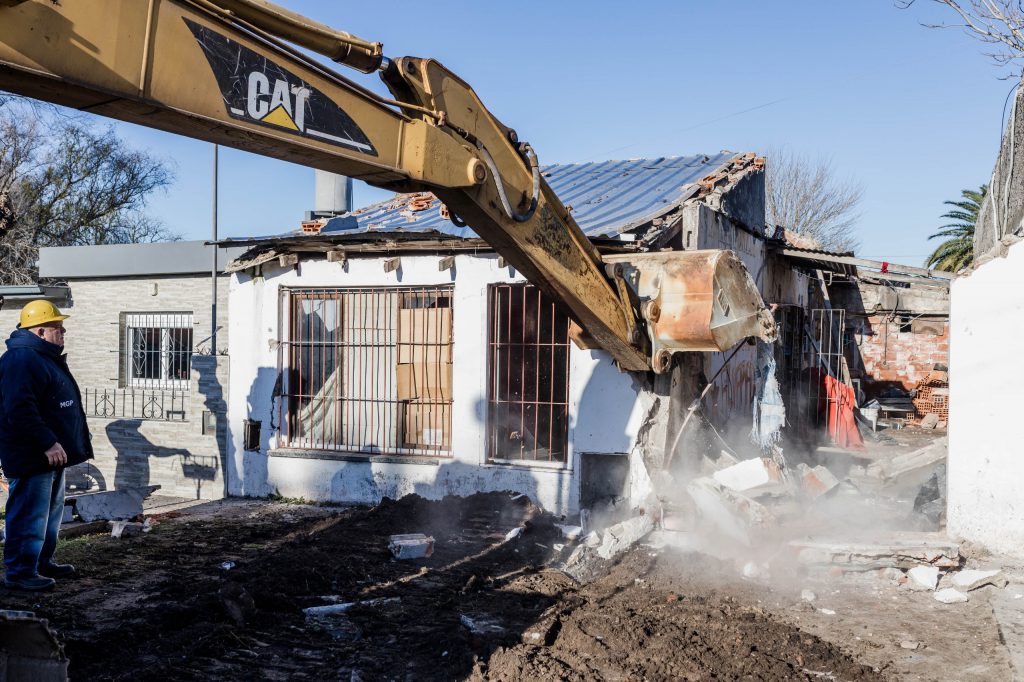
(333, 194)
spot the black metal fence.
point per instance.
(136, 403)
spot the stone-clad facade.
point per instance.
(172, 438)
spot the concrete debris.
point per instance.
(923, 578)
(732, 513)
(930, 500)
(910, 644)
(482, 625)
(906, 551)
(807, 595)
(623, 535)
(411, 546)
(930, 421)
(569, 532)
(329, 610)
(817, 481)
(227, 565)
(126, 529)
(30, 650)
(592, 539)
(951, 596)
(971, 579)
(827, 612)
(514, 533)
(912, 469)
(122, 504)
(752, 477)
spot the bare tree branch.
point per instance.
(64, 183)
(994, 22)
(805, 197)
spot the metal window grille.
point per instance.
(369, 370)
(826, 343)
(156, 350)
(528, 394)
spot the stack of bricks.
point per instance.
(933, 398)
(901, 357)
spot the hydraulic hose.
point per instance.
(534, 168)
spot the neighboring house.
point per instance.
(390, 351)
(895, 329)
(138, 343)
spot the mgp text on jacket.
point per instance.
(40, 405)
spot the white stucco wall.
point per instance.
(605, 411)
(986, 373)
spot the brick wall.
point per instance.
(906, 358)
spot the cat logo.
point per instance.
(257, 90)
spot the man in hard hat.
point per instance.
(42, 430)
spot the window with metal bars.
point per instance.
(156, 350)
(528, 367)
(369, 370)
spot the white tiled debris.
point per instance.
(951, 596)
(923, 578)
(971, 579)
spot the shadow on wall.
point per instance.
(261, 404)
(133, 452)
(213, 400)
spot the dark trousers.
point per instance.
(35, 507)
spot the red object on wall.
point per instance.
(842, 424)
(885, 267)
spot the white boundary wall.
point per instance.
(605, 406)
(986, 412)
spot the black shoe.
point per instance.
(57, 570)
(33, 583)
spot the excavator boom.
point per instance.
(227, 71)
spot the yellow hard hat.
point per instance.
(36, 313)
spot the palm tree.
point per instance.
(957, 251)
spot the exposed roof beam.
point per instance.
(864, 263)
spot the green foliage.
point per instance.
(956, 252)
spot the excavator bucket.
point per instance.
(694, 301)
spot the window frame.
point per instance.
(292, 435)
(558, 316)
(164, 322)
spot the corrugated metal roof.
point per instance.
(607, 198)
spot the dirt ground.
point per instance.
(160, 605)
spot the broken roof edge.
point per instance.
(847, 263)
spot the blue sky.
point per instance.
(912, 113)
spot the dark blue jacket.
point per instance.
(40, 405)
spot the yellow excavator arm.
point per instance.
(229, 72)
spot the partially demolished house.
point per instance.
(881, 328)
(390, 351)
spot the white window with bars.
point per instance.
(156, 350)
(368, 370)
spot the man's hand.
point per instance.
(56, 455)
